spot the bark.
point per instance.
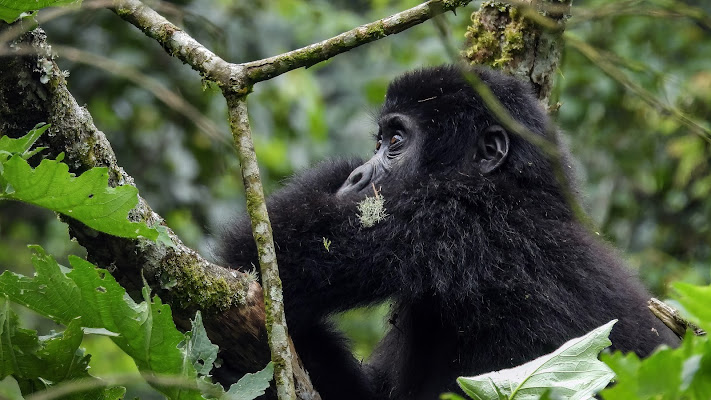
(521, 37)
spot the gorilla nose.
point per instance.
(358, 179)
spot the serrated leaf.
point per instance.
(11, 10)
(87, 198)
(251, 386)
(199, 350)
(146, 331)
(36, 363)
(18, 346)
(572, 372)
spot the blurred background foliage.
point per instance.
(646, 177)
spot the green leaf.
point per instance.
(450, 396)
(9, 389)
(146, 331)
(11, 10)
(251, 386)
(18, 346)
(37, 363)
(86, 198)
(9, 146)
(200, 351)
(571, 372)
(681, 373)
(696, 300)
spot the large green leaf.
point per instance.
(571, 372)
(146, 331)
(10, 10)
(86, 198)
(37, 363)
(9, 389)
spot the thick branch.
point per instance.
(520, 40)
(268, 68)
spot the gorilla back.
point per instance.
(479, 251)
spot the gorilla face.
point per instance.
(395, 156)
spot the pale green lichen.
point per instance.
(371, 210)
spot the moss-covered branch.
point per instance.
(179, 44)
(268, 68)
(519, 39)
(262, 231)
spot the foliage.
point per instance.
(571, 372)
(681, 373)
(87, 198)
(88, 299)
(11, 10)
(35, 363)
(647, 178)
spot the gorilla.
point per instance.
(478, 249)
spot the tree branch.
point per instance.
(179, 44)
(268, 68)
(262, 232)
(240, 77)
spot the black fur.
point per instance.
(486, 271)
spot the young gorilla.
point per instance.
(485, 262)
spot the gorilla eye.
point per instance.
(378, 144)
(395, 139)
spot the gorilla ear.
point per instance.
(492, 148)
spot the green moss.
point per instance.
(377, 30)
(496, 35)
(193, 287)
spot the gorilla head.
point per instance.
(434, 122)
